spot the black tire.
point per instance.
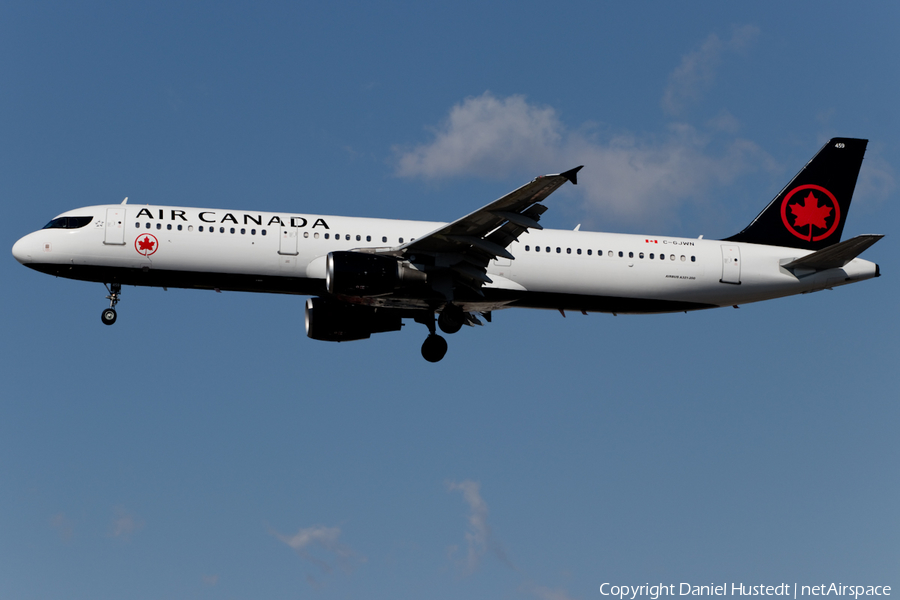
(108, 316)
(448, 323)
(434, 348)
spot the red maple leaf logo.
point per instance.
(810, 213)
(145, 244)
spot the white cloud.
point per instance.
(478, 533)
(321, 546)
(697, 71)
(124, 524)
(647, 178)
(488, 137)
(876, 178)
(626, 176)
(63, 526)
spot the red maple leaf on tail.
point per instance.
(145, 244)
(810, 213)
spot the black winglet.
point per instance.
(572, 174)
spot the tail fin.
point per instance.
(811, 210)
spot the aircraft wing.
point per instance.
(467, 245)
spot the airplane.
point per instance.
(366, 275)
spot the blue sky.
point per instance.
(205, 448)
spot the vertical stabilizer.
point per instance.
(811, 210)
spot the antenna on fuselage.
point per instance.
(125, 201)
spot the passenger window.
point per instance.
(641, 255)
(401, 240)
(537, 248)
(672, 257)
(305, 234)
(159, 225)
(579, 251)
(358, 238)
(693, 259)
(252, 232)
(631, 255)
(383, 239)
(609, 253)
(652, 256)
(368, 238)
(136, 225)
(243, 231)
(263, 232)
(200, 228)
(620, 254)
(347, 237)
(179, 228)
(190, 227)
(169, 227)
(589, 252)
(232, 230)
(682, 258)
(568, 251)
(527, 248)
(316, 235)
(221, 230)
(547, 249)
(148, 225)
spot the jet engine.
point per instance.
(363, 274)
(332, 321)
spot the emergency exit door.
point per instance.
(731, 264)
(288, 242)
(115, 226)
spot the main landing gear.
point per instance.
(434, 347)
(450, 320)
(108, 316)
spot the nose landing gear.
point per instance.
(108, 316)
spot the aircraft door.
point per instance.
(289, 240)
(731, 264)
(115, 226)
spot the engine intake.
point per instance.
(362, 274)
(332, 321)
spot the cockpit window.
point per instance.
(68, 222)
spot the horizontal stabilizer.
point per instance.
(835, 256)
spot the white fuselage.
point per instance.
(286, 253)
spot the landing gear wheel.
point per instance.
(108, 316)
(434, 348)
(449, 321)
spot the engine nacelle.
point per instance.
(363, 274)
(331, 321)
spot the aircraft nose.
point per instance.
(22, 250)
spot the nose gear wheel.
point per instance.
(108, 316)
